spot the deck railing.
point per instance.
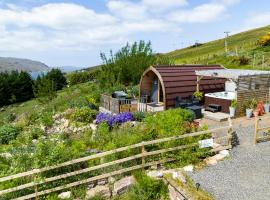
(35, 185)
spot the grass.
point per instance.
(65, 98)
(213, 52)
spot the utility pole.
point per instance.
(226, 41)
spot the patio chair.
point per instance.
(179, 102)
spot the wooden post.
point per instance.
(143, 157)
(230, 132)
(256, 130)
(36, 187)
(146, 98)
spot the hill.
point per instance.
(242, 48)
(9, 64)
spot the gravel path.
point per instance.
(244, 176)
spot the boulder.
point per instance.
(102, 190)
(219, 157)
(65, 195)
(226, 153)
(123, 184)
(102, 182)
(188, 168)
(211, 161)
(155, 174)
(6, 155)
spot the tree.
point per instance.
(127, 65)
(44, 89)
(58, 78)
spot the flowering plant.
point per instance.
(114, 119)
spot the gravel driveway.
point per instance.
(244, 176)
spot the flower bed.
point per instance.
(114, 119)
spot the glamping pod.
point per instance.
(161, 85)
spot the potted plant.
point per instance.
(250, 105)
(198, 95)
(233, 108)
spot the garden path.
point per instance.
(244, 176)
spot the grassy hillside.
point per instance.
(241, 44)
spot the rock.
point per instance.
(111, 180)
(219, 157)
(6, 155)
(102, 182)
(216, 145)
(34, 141)
(90, 186)
(155, 174)
(66, 123)
(188, 168)
(64, 195)
(93, 127)
(211, 161)
(226, 153)
(123, 184)
(102, 190)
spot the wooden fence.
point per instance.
(118, 105)
(258, 129)
(34, 185)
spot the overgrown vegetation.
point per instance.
(127, 65)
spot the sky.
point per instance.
(75, 32)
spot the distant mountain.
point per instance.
(9, 64)
(69, 68)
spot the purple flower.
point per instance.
(114, 119)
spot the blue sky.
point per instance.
(74, 32)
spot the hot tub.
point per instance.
(220, 98)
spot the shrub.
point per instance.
(82, 77)
(47, 119)
(242, 60)
(147, 188)
(83, 114)
(169, 122)
(8, 133)
(265, 40)
(139, 116)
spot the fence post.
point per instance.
(143, 157)
(230, 132)
(256, 130)
(36, 186)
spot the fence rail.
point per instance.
(258, 129)
(143, 155)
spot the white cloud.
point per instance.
(261, 19)
(163, 5)
(200, 14)
(75, 27)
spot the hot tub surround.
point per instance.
(223, 99)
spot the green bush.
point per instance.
(47, 119)
(147, 188)
(8, 133)
(139, 116)
(170, 122)
(83, 114)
